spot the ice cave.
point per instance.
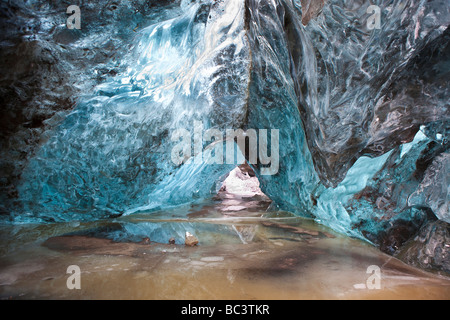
(225, 149)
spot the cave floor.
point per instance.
(243, 254)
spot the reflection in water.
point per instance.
(273, 256)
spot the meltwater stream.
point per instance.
(250, 256)
(245, 251)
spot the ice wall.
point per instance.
(358, 91)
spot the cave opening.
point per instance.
(240, 193)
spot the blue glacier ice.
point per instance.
(112, 154)
(362, 113)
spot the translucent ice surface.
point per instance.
(358, 97)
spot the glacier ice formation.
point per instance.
(362, 113)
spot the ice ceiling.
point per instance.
(362, 112)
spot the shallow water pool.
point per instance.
(248, 254)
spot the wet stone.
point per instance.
(190, 240)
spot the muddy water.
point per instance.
(241, 255)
